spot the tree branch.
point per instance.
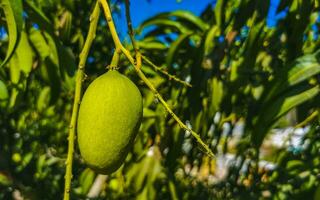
(77, 96)
(170, 76)
(131, 32)
(118, 44)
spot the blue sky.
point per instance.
(144, 9)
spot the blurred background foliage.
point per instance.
(254, 99)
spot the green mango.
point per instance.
(109, 119)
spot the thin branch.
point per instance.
(131, 34)
(138, 54)
(170, 76)
(129, 23)
(77, 96)
(118, 44)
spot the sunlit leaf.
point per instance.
(86, 179)
(13, 13)
(216, 94)
(43, 99)
(5, 180)
(189, 17)
(14, 66)
(177, 26)
(3, 91)
(40, 43)
(25, 54)
(302, 69)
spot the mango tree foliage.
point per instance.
(249, 78)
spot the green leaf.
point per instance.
(175, 46)
(253, 42)
(317, 193)
(294, 101)
(216, 94)
(46, 48)
(198, 122)
(3, 91)
(66, 23)
(209, 44)
(39, 17)
(301, 70)
(54, 56)
(67, 66)
(177, 26)
(146, 171)
(156, 45)
(86, 179)
(13, 13)
(51, 70)
(25, 54)
(22, 59)
(295, 164)
(148, 113)
(5, 180)
(25, 161)
(14, 69)
(43, 99)
(279, 107)
(67, 61)
(219, 12)
(41, 163)
(189, 17)
(13, 97)
(176, 20)
(40, 43)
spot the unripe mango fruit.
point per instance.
(109, 118)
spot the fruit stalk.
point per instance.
(77, 96)
(115, 59)
(137, 67)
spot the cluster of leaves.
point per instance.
(243, 73)
(40, 42)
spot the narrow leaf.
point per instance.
(39, 17)
(14, 69)
(279, 107)
(25, 54)
(175, 46)
(3, 91)
(40, 43)
(179, 27)
(13, 14)
(190, 17)
(301, 70)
